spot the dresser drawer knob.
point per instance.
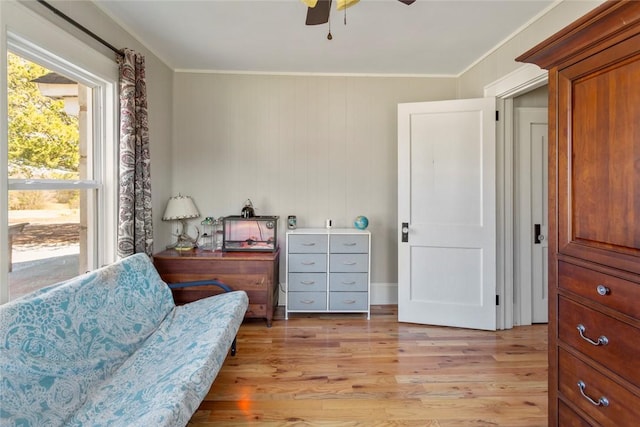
(308, 282)
(602, 340)
(603, 290)
(603, 401)
(308, 263)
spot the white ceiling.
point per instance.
(429, 37)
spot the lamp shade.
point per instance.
(180, 207)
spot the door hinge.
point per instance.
(497, 116)
(497, 299)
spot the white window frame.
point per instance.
(27, 34)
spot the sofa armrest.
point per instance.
(199, 283)
(221, 285)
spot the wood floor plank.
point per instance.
(343, 370)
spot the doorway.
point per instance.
(530, 207)
(516, 88)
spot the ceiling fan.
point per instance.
(318, 10)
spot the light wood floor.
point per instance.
(342, 370)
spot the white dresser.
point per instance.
(328, 270)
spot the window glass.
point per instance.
(52, 190)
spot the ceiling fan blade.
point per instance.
(407, 2)
(319, 14)
(343, 4)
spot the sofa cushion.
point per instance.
(165, 380)
(58, 344)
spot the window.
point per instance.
(59, 156)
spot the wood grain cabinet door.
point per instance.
(599, 158)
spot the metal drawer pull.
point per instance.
(350, 301)
(308, 282)
(349, 244)
(603, 401)
(308, 262)
(309, 244)
(353, 282)
(603, 290)
(602, 340)
(307, 301)
(349, 263)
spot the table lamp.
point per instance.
(182, 208)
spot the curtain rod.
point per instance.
(81, 28)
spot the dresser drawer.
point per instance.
(349, 301)
(622, 339)
(301, 263)
(348, 244)
(307, 243)
(353, 282)
(622, 409)
(568, 418)
(619, 294)
(349, 263)
(307, 301)
(307, 282)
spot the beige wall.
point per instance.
(316, 147)
(502, 60)
(159, 94)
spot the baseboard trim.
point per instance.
(384, 293)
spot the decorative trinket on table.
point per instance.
(361, 222)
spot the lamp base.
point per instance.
(184, 241)
(184, 245)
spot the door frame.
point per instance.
(524, 79)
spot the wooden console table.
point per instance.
(257, 273)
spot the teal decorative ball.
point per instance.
(361, 222)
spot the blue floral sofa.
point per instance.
(110, 348)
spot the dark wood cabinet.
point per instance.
(256, 273)
(594, 216)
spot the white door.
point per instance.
(447, 200)
(532, 242)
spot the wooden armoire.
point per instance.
(594, 217)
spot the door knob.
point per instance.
(538, 237)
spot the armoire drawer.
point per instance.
(587, 389)
(621, 339)
(568, 418)
(618, 294)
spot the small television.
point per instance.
(257, 233)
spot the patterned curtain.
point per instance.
(135, 228)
